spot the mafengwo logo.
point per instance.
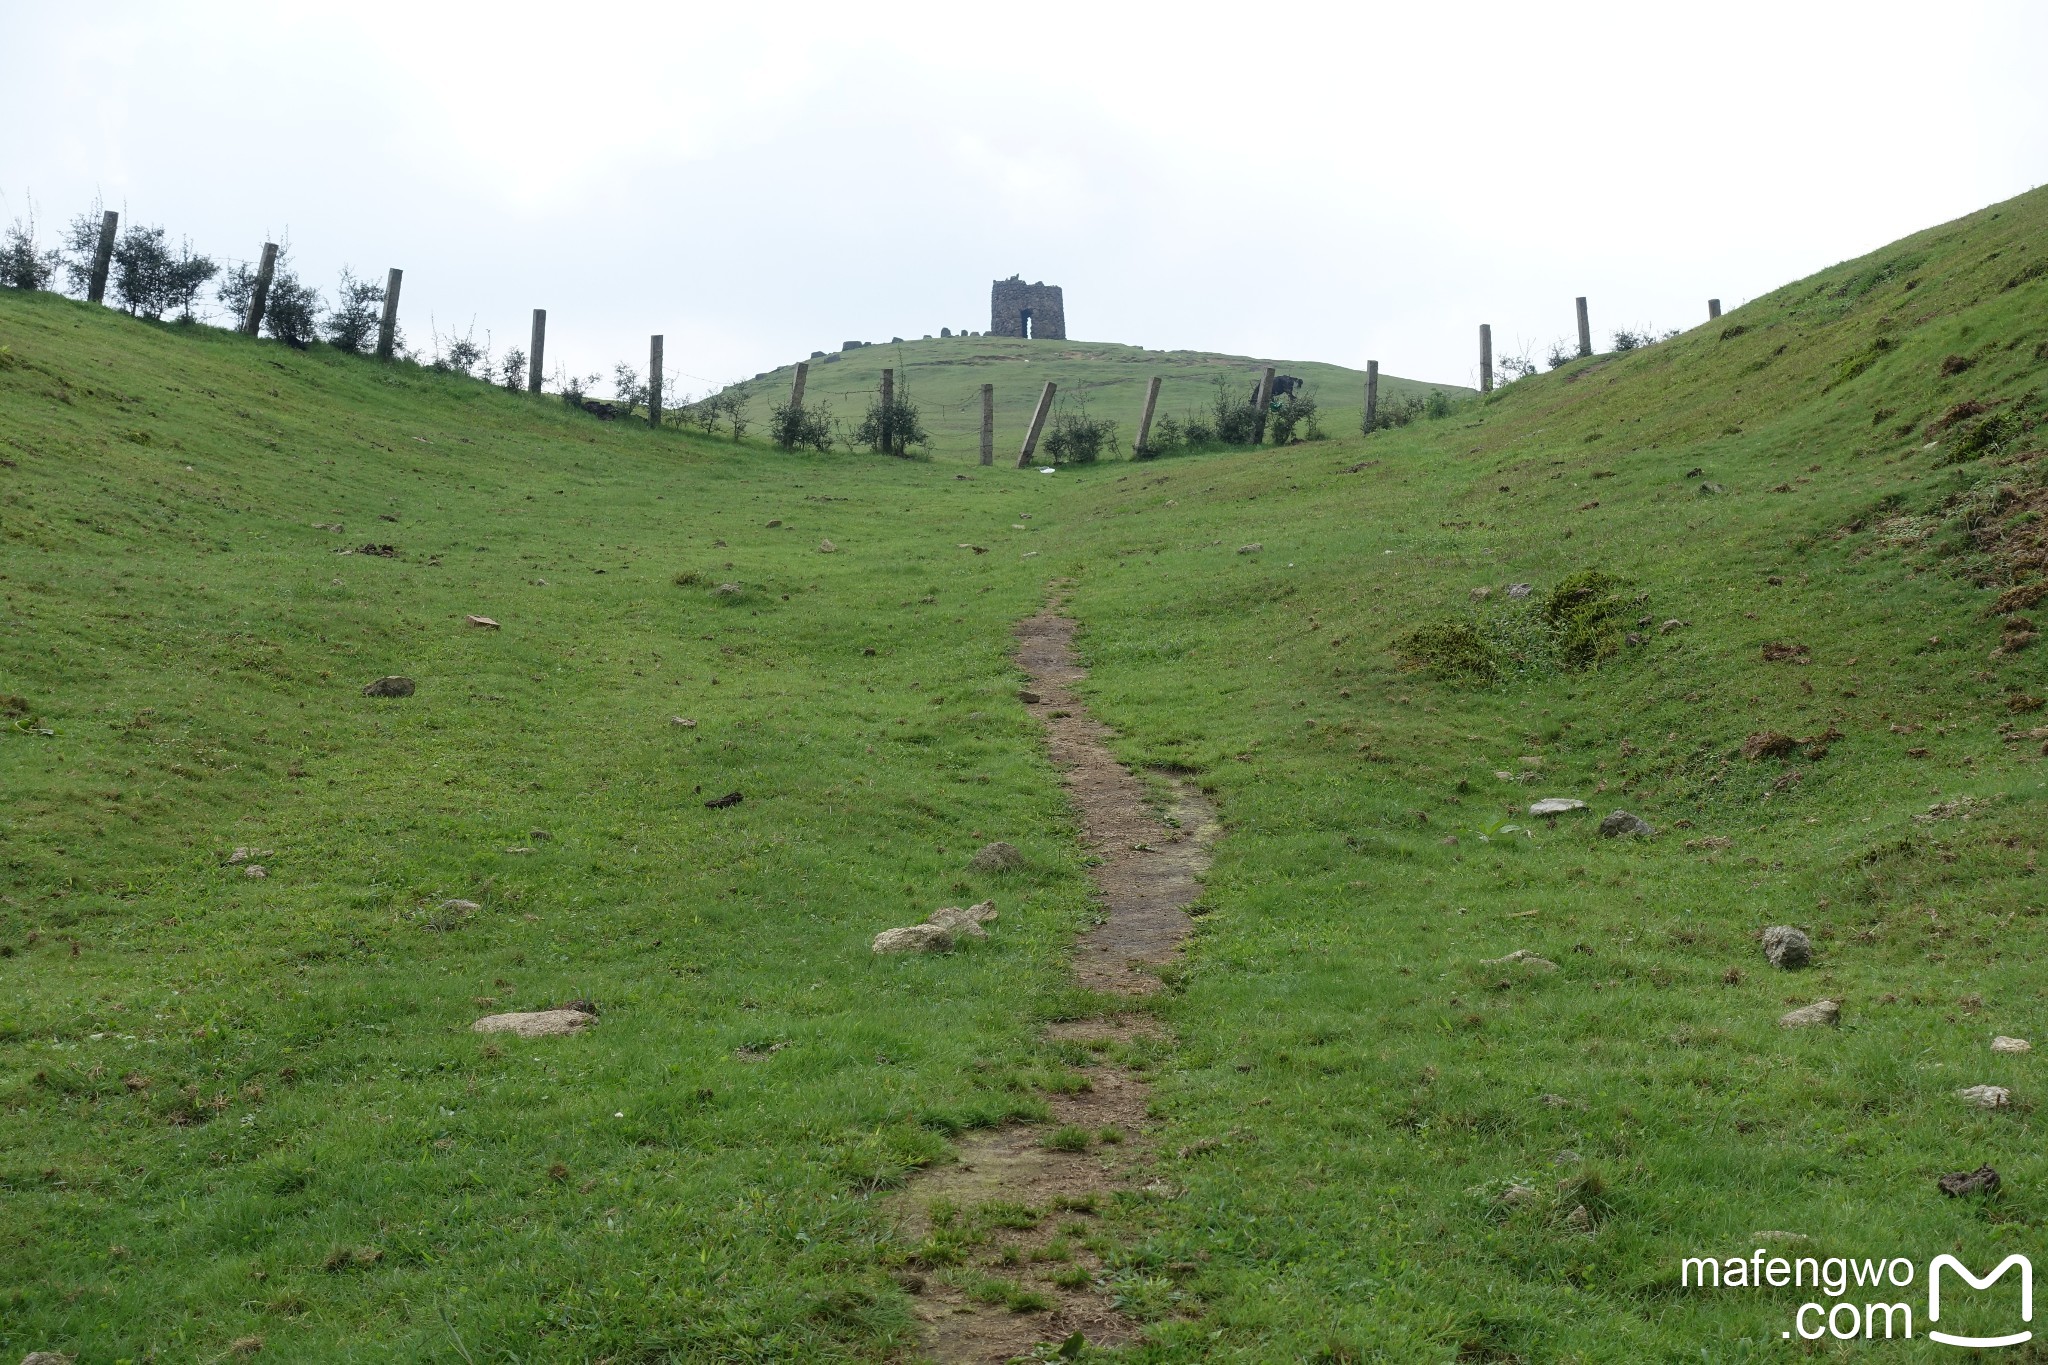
(1881, 1312)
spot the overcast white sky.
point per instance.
(1297, 181)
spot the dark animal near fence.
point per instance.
(1283, 384)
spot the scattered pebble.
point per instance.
(1250, 549)
(1983, 1180)
(1523, 957)
(484, 622)
(1787, 947)
(255, 870)
(683, 721)
(1518, 590)
(1986, 1096)
(461, 906)
(826, 547)
(1819, 1012)
(2004, 1044)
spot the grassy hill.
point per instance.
(944, 375)
(236, 1107)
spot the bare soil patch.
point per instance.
(1008, 1249)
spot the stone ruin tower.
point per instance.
(1017, 309)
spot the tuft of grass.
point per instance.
(1070, 1138)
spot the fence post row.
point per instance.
(535, 350)
(102, 257)
(796, 386)
(387, 331)
(259, 297)
(1145, 419)
(988, 424)
(654, 380)
(1713, 309)
(1262, 402)
(1585, 329)
(1372, 395)
(1485, 357)
(1037, 425)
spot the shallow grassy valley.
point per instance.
(245, 1113)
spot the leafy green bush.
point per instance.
(152, 279)
(1235, 420)
(358, 310)
(891, 428)
(1438, 404)
(1077, 438)
(1297, 411)
(793, 426)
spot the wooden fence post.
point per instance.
(536, 350)
(1485, 357)
(387, 331)
(988, 424)
(654, 380)
(796, 386)
(1037, 425)
(102, 257)
(1260, 401)
(1145, 418)
(259, 297)
(888, 412)
(1585, 329)
(1372, 395)
(1713, 309)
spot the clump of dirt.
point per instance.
(1006, 1252)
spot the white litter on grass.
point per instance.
(1048, 470)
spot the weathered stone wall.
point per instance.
(1009, 300)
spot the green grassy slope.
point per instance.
(1354, 1094)
(944, 378)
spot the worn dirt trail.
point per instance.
(1011, 1211)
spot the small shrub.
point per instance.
(1077, 438)
(151, 279)
(1562, 353)
(1438, 404)
(358, 310)
(512, 371)
(292, 312)
(23, 263)
(1235, 420)
(793, 426)
(1166, 437)
(1296, 412)
(1397, 411)
(891, 428)
(627, 389)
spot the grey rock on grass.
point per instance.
(536, 1023)
(396, 685)
(1556, 805)
(1986, 1096)
(1787, 947)
(1622, 824)
(1819, 1012)
(1983, 1180)
(2005, 1044)
(914, 938)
